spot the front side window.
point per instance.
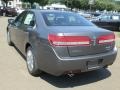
(65, 19)
(19, 19)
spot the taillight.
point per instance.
(57, 40)
(110, 38)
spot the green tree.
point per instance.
(71, 3)
(100, 5)
(29, 1)
(110, 6)
(104, 5)
(40, 2)
(54, 1)
(84, 4)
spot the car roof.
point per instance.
(39, 10)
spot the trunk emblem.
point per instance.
(94, 40)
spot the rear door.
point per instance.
(23, 33)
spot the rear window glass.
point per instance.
(65, 19)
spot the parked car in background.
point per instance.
(1, 10)
(19, 10)
(95, 14)
(108, 21)
(8, 11)
(60, 42)
(86, 15)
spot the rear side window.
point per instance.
(29, 19)
(65, 19)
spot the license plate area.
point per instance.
(94, 64)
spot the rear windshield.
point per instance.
(65, 19)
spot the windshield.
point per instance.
(65, 19)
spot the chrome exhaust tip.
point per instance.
(71, 74)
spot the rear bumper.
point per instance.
(58, 66)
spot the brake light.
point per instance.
(106, 39)
(57, 40)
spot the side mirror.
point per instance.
(10, 21)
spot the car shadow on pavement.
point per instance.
(19, 52)
(77, 80)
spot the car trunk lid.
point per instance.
(86, 40)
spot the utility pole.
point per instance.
(67, 2)
(91, 2)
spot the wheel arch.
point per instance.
(7, 29)
(26, 46)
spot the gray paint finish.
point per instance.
(57, 60)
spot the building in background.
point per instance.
(13, 3)
(1, 4)
(56, 6)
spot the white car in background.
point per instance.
(86, 15)
(19, 10)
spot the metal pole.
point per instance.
(67, 3)
(90, 7)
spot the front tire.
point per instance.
(31, 62)
(9, 39)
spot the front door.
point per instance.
(17, 29)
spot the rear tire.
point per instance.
(31, 62)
